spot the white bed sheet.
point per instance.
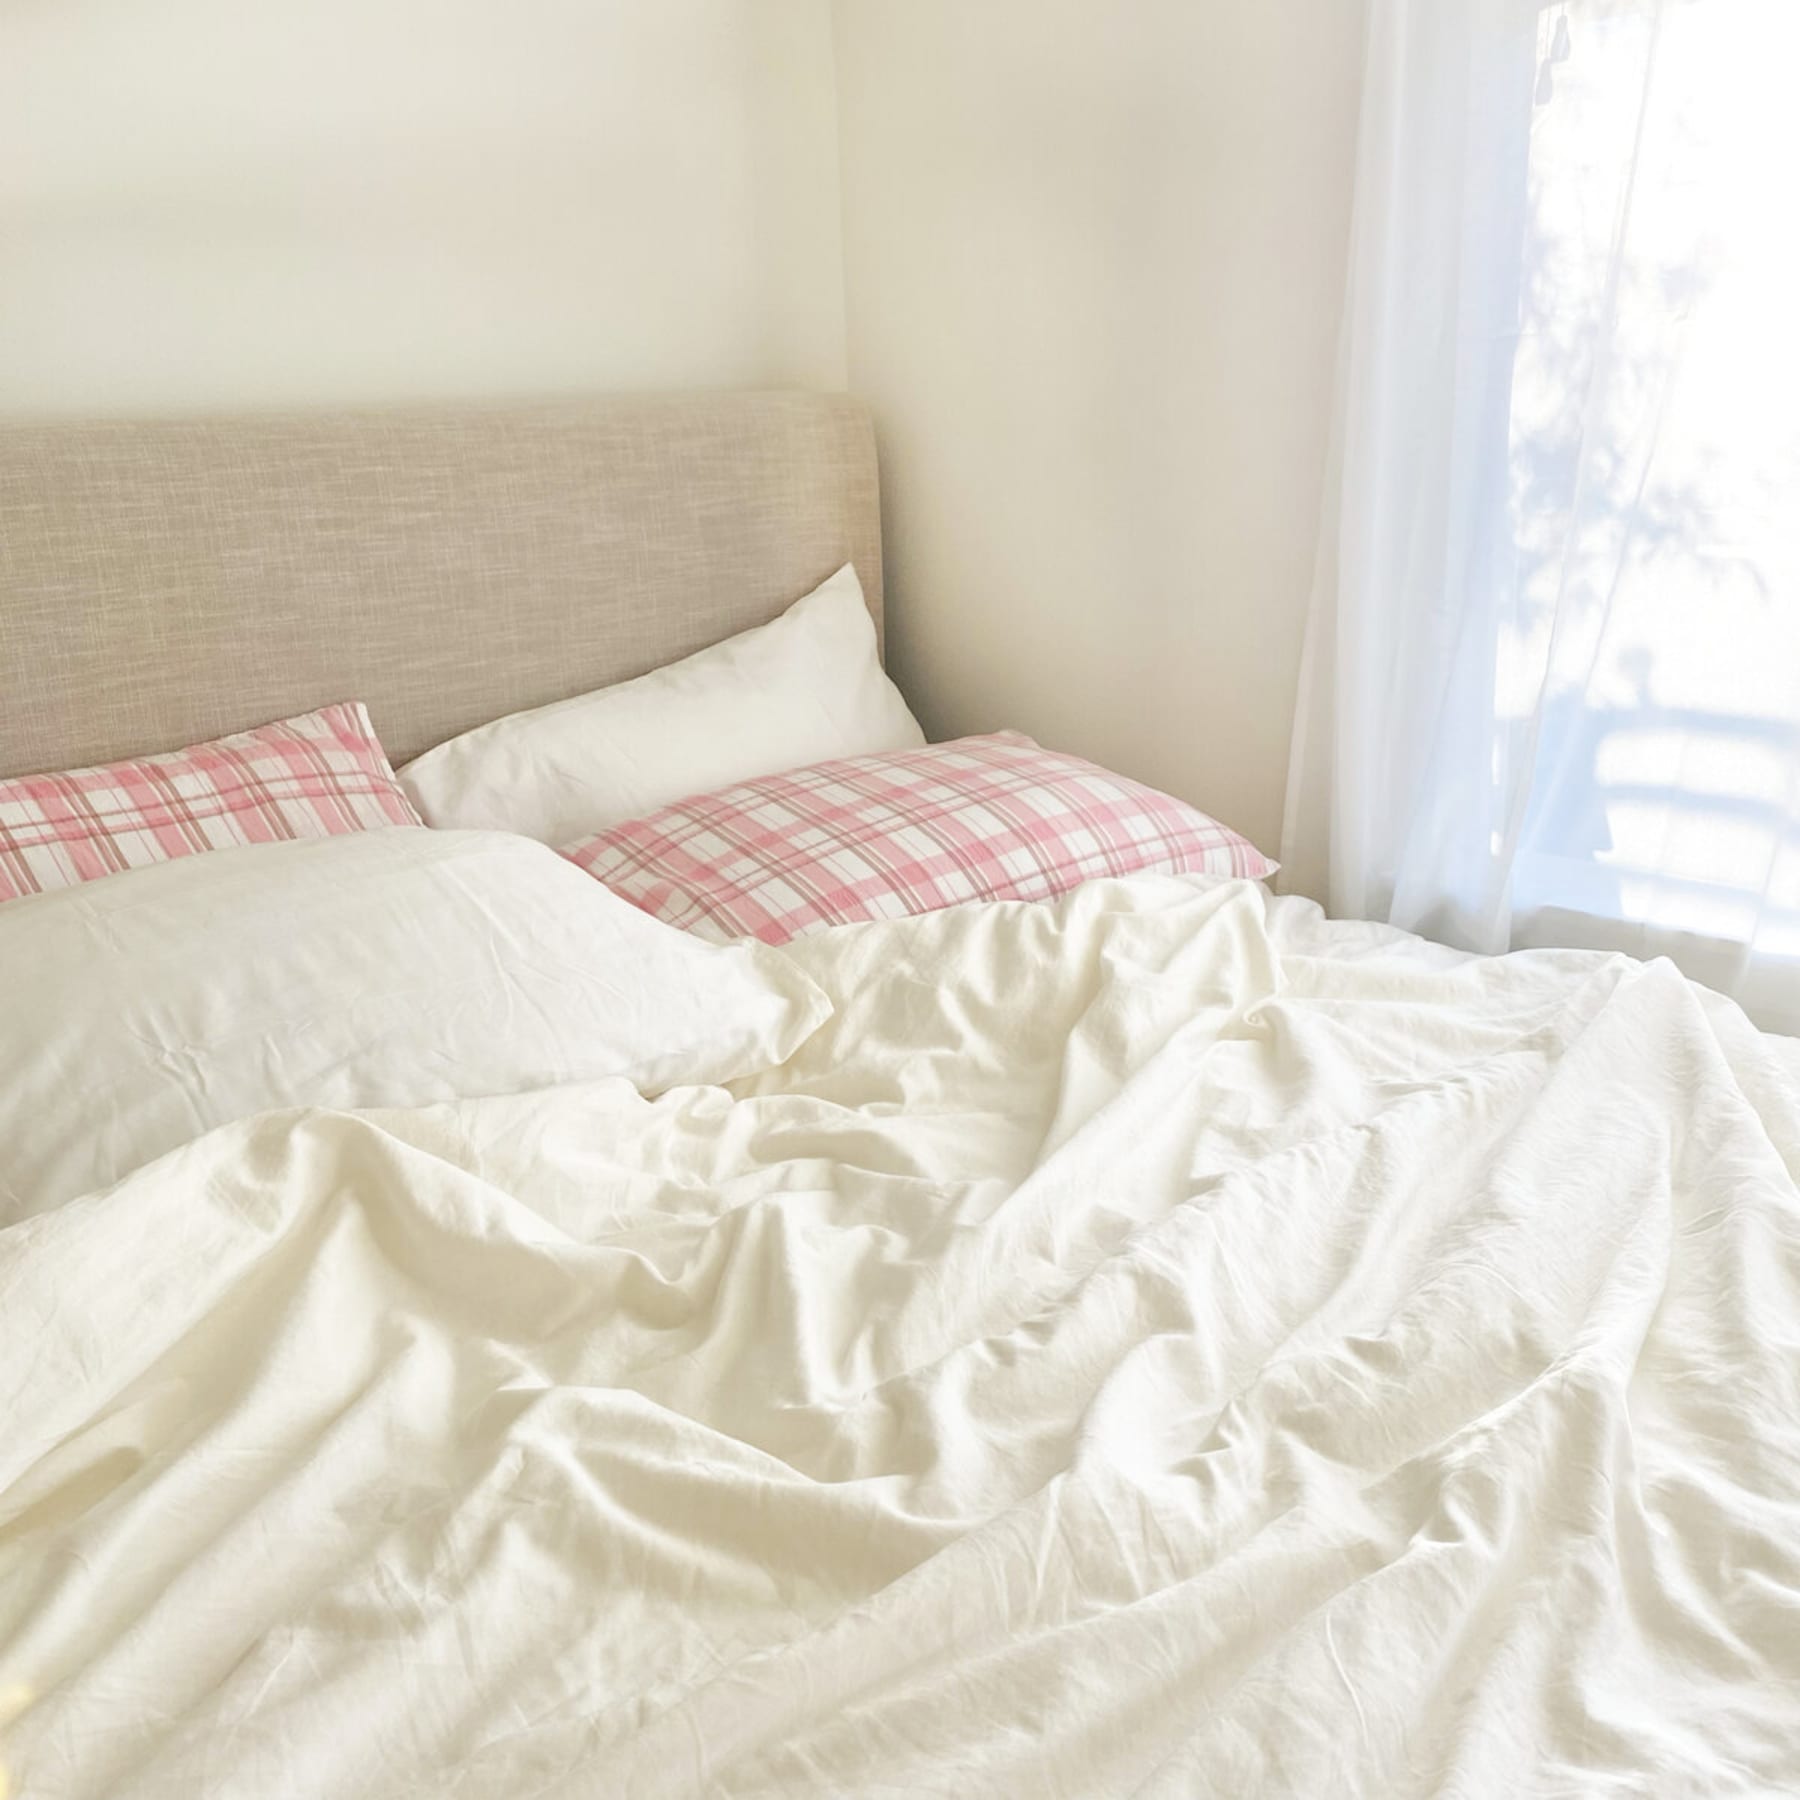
(1157, 1345)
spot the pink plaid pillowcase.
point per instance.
(315, 776)
(907, 831)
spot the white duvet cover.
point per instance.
(1162, 1345)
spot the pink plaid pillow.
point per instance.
(907, 831)
(314, 776)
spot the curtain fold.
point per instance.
(1551, 683)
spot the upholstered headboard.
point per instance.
(165, 582)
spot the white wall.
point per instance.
(1094, 261)
(1091, 251)
(236, 203)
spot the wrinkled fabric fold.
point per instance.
(1160, 1344)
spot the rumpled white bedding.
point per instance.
(1160, 1345)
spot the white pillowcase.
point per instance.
(385, 968)
(806, 688)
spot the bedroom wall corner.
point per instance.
(1093, 264)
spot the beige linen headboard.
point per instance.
(164, 582)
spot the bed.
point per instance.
(1154, 1342)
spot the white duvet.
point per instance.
(1162, 1345)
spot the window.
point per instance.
(1649, 662)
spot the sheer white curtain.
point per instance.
(1551, 690)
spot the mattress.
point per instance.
(1157, 1344)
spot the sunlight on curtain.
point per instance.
(1552, 691)
(1658, 622)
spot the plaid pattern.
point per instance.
(314, 776)
(907, 831)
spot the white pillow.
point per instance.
(806, 688)
(384, 968)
